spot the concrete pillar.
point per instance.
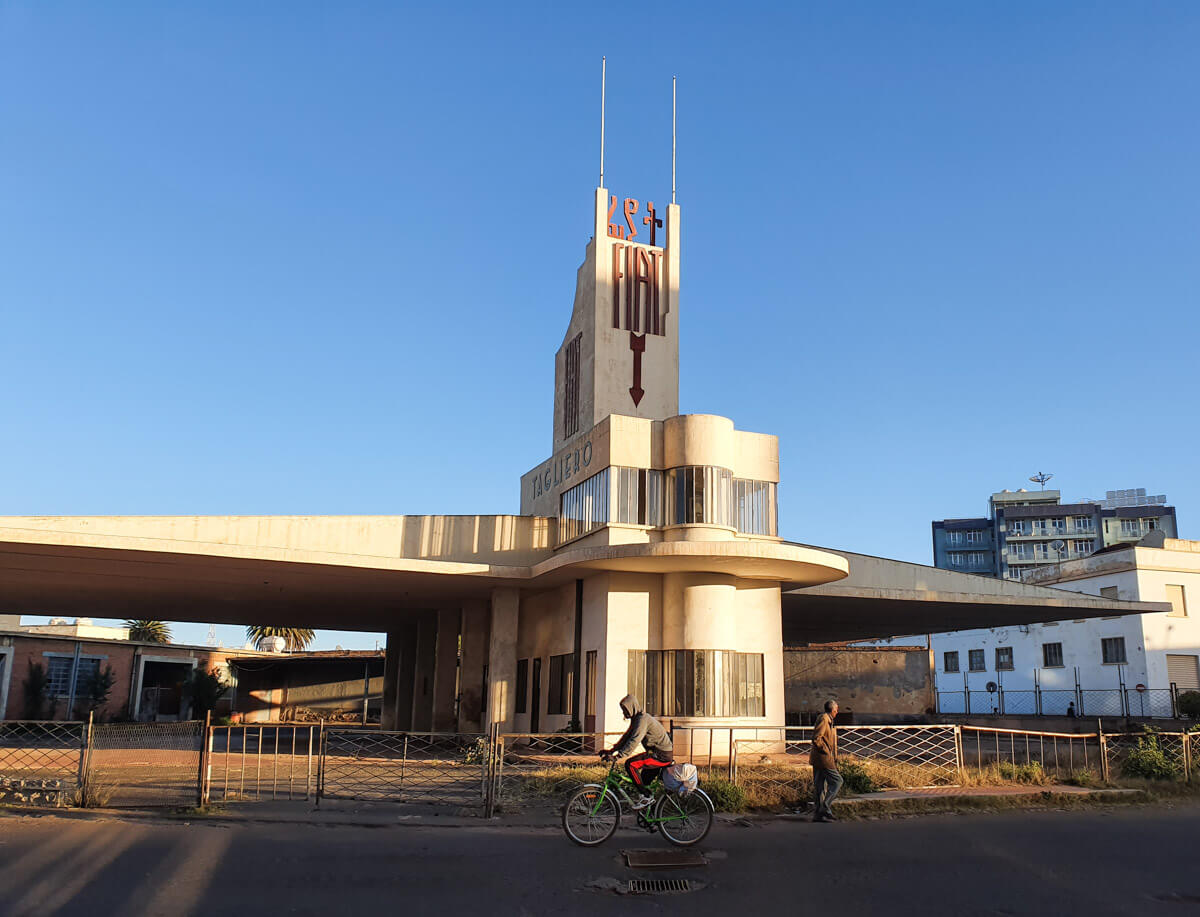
(445, 675)
(398, 675)
(423, 676)
(502, 658)
(473, 665)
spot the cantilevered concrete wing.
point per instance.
(887, 598)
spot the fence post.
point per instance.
(321, 742)
(201, 775)
(1103, 751)
(733, 768)
(85, 760)
(1037, 700)
(1174, 690)
(959, 758)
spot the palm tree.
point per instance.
(295, 638)
(149, 631)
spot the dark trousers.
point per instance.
(826, 784)
(643, 768)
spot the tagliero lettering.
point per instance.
(562, 468)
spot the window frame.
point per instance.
(1009, 664)
(1115, 642)
(1046, 655)
(974, 654)
(946, 660)
(522, 686)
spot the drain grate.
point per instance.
(659, 886)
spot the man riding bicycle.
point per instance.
(649, 732)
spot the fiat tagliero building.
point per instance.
(646, 557)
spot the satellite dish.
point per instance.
(1059, 545)
(991, 687)
(1041, 478)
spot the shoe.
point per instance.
(639, 804)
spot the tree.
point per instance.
(37, 691)
(149, 631)
(203, 689)
(93, 694)
(295, 638)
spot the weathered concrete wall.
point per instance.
(867, 682)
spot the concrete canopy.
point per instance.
(345, 573)
(888, 598)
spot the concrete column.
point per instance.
(398, 675)
(423, 676)
(445, 676)
(473, 665)
(502, 658)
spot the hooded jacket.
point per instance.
(645, 729)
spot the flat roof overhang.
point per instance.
(73, 573)
(890, 598)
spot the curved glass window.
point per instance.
(697, 682)
(584, 508)
(755, 502)
(700, 494)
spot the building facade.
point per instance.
(1024, 530)
(1097, 664)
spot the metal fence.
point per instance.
(133, 764)
(1149, 754)
(1023, 755)
(267, 761)
(1147, 703)
(531, 768)
(404, 766)
(776, 771)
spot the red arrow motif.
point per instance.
(637, 343)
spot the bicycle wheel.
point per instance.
(684, 820)
(587, 823)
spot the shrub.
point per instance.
(1148, 761)
(1022, 773)
(95, 692)
(1081, 777)
(203, 690)
(1189, 704)
(726, 796)
(856, 778)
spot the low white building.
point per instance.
(1108, 666)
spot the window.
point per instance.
(1041, 551)
(522, 686)
(1013, 573)
(756, 506)
(976, 661)
(589, 705)
(637, 497)
(954, 558)
(1109, 592)
(1082, 525)
(1018, 527)
(571, 387)
(950, 662)
(58, 675)
(699, 494)
(1004, 658)
(714, 683)
(954, 538)
(1178, 600)
(1082, 548)
(560, 688)
(1058, 526)
(1052, 657)
(583, 508)
(976, 537)
(1113, 650)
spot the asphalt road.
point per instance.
(1132, 860)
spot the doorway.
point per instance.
(161, 697)
(535, 702)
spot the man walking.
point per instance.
(823, 758)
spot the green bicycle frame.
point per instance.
(615, 783)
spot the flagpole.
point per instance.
(672, 140)
(603, 75)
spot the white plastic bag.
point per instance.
(681, 778)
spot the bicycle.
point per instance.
(593, 812)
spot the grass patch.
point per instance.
(545, 782)
(726, 795)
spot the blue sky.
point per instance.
(317, 258)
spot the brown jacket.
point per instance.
(824, 744)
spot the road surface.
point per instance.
(1129, 860)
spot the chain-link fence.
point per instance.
(41, 761)
(135, 764)
(404, 766)
(267, 761)
(1150, 703)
